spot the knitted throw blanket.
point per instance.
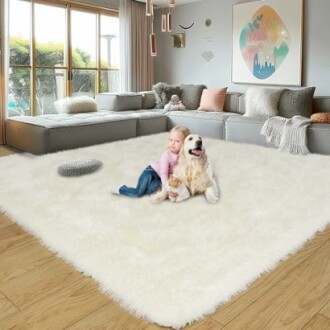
(287, 135)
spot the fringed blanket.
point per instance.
(287, 135)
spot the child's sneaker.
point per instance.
(115, 190)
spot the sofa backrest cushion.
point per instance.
(296, 102)
(119, 101)
(148, 99)
(241, 104)
(213, 99)
(191, 95)
(232, 102)
(321, 104)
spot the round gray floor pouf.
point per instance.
(79, 167)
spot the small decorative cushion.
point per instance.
(79, 167)
(119, 101)
(191, 95)
(262, 102)
(321, 117)
(296, 102)
(213, 99)
(75, 104)
(164, 93)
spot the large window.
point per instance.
(58, 50)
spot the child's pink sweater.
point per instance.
(164, 167)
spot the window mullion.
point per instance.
(33, 95)
(69, 52)
(98, 38)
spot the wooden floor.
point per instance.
(39, 291)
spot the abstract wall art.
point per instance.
(267, 42)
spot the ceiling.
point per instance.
(164, 3)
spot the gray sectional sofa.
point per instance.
(128, 115)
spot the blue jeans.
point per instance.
(148, 183)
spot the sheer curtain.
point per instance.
(136, 64)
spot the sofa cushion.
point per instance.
(164, 92)
(241, 104)
(191, 95)
(262, 102)
(75, 104)
(148, 99)
(296, 102)
(232, 102)
(321, 117)
(213, 99)
(119, 101)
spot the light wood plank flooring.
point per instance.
(39, 291)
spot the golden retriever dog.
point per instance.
(195, 171)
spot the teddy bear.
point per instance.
(174, 104)
(177, 186)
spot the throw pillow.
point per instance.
(296, 102)
(79, 167)
(321, 117)
(262, 102)
(191, 95)
(213, 99)
(75, 104)
(164, 93)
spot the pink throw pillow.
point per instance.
(213, 99)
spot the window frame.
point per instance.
(68, 67)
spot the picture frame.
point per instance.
(267, 42)
(179, 40)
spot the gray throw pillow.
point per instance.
(164, 93)
(191, 95)
(296, 102)
(79, 167)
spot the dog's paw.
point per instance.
(211, 198)
(159, 197)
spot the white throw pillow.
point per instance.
(75, 104)
(262, 102)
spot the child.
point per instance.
(156, 175)
(174, 104)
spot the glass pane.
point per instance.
(83, 39)
(109, 81)
(19, 92)
(50, 87)
(84, 82)
(19, 32)
(109, 42)
(50, 34)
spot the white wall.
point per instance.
(186, 65)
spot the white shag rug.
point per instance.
(171, 263)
